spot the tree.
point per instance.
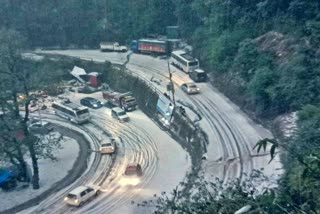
(20, 76)
(11, 146)
(217, 197)
(259, 88)
(301, 161)
(11, 142)
(11, 64)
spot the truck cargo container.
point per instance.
(151, 46)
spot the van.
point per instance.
(198, 75)
(80, 195)
(119, 114)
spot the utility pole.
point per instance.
(36, 100)
(39, 109)
(171, 86)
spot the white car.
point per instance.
(80, 195)
(108, 147)
(119, 114)
(190, 88)
(40, 127)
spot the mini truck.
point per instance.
(123, 100)
(112, 46)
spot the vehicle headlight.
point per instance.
(167, 122)
(65, 198)
(95, 105)
(76, 200)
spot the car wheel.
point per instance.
(81, 204)
(97, 193)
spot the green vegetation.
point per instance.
(262, 54)
(236, 41)
(81, 23)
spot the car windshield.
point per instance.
(106, 144)
(130, 100)
(131, 170)
(121, 113)
(193, 63)
(36, 125)
(202, 74)
(192, 86)
(71, 196)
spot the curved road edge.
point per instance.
(79, 166)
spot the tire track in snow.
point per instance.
(133, 140)
(146, 156)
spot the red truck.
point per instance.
(123, 100)
(150, 46)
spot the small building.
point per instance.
(95, 79)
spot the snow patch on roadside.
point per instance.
(288, 124)
(50, 173)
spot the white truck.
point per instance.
(112, 46)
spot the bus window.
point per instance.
(84, 111)
(195, 63)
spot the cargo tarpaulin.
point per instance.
(78, 72)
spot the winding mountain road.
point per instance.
(231, 134)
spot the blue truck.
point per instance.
(7, 179)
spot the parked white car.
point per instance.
(80, 195)
(40, 127)
(119, 114)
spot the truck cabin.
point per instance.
(134, 46)
(128, 102)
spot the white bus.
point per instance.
(184, 61)
(73, 112)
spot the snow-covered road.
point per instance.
(231, 133)
(163, 161)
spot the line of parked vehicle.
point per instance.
(166, 47)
